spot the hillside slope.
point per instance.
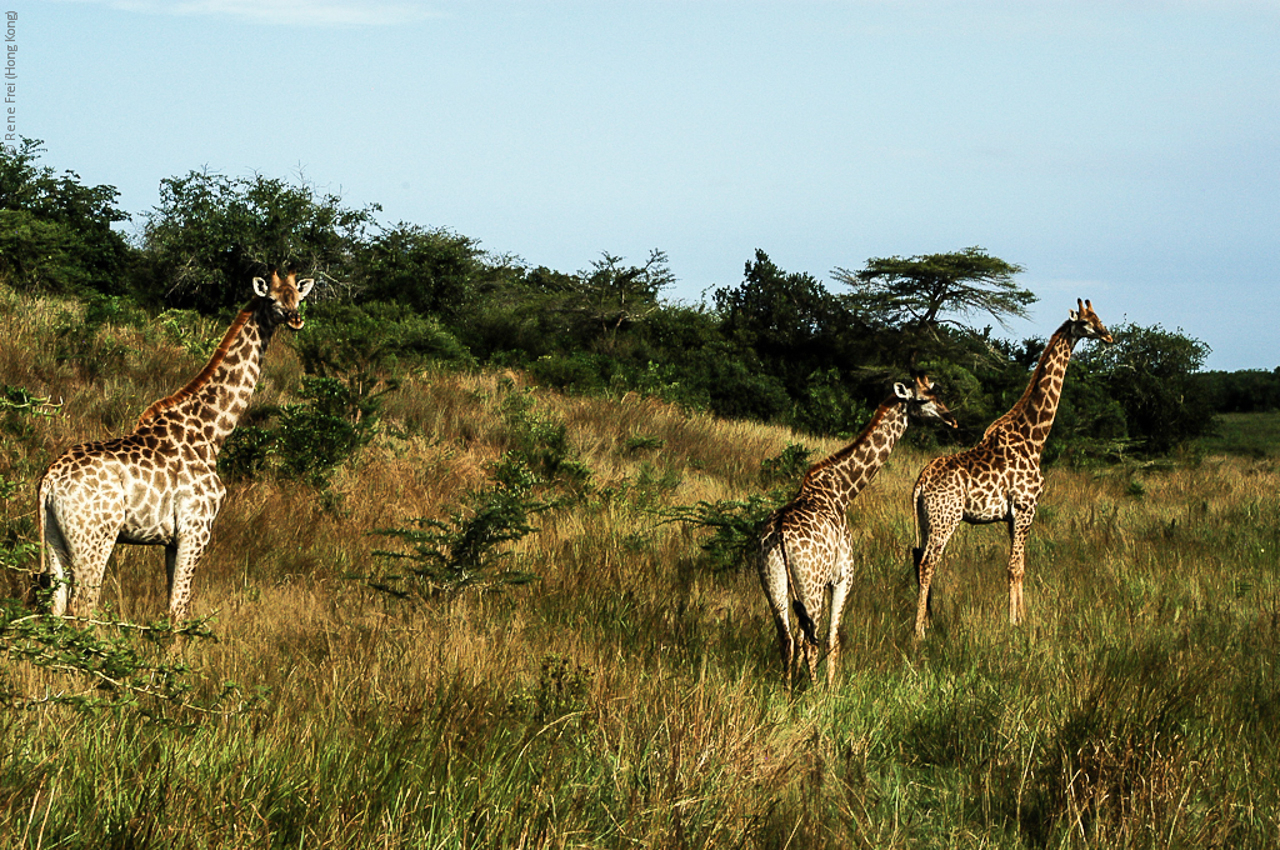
(630, 694)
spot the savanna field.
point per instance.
(626, 690)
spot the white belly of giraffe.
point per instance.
(986, 507)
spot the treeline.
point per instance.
(1246, 391)
(775, 346)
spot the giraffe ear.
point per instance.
(304, 286)
(260, 287)
(901, 391)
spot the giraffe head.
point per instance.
(922, 402)
(285, 297)
(1085, 324)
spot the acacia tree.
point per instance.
(614, 296)
(919, 296)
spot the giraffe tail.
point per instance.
(917, 514)
(49, 587)
(42, 496)
(922, 534)
(807, 625)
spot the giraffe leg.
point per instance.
(1019, 526)
(839, 593)
(786, 646)
(55, 561)
(936, 536)
(773, 578)
(195, 529)
(89, 565)
(808, 642)
(180, 565)
(170, 569)
(90, 543)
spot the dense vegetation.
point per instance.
(777, 346)
(477, 582)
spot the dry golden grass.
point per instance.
(631, 696)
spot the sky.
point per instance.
(1123, 152)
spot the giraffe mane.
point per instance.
(193, 386)
(843, 453)
(1036, 375)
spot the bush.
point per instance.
(467, 551)
(539, 472)
(211, 233)
(735, 523)
(431, 271)
(313, 438)
(373, 337)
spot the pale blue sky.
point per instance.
(1127, 152)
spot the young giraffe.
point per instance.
(999, 479)
(158, 485)
(805, 546)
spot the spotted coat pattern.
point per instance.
(999, 479)
(158, 485)
(806, 550)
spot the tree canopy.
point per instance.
(55, 232)
(777, 345)
(916, 296)
(1148, 371)
(210, 233)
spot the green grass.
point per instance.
(631, 696)
(1246, 434)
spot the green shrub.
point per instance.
(55, 233)
(542, 443)
(735, 523)
(312, 438)
(467, 550)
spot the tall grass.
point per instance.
(632, 695)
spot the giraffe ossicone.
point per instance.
(999, 479)
(806, 550)
(158, 484)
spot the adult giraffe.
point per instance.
(158, 484)
(805, 546)
(999, 479)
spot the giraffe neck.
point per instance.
(1031, 419)
(208, 408)
(841, 477)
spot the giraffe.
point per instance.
(158, 484)
(999, 479)
(805, 546)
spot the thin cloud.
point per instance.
(295, 13)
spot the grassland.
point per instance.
(1247, 434)
(631, 696)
